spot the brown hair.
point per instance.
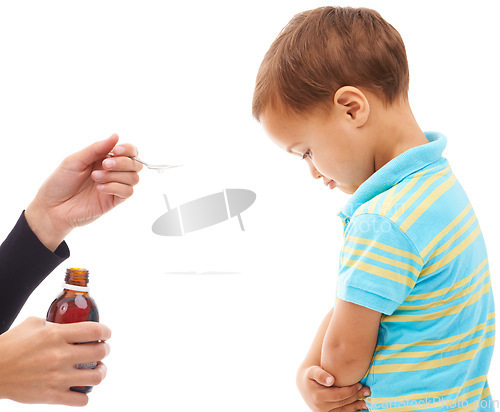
(323, 49)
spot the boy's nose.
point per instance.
(315, 174)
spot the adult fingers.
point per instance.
(33, 322)
(81, 160)
(104, 176)
(84, 332)
(89, 352)
(121, 164)
(320, 376)
(69, 398)
(88, 377)
(117, 189)
(125, 149)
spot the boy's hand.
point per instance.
(315, 384)
(85, 186)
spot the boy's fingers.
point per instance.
(320, 376)
(342, 395)
(355, 406)
(346, 392)
(333, 395)
(84, 332)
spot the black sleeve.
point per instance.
(24, 263)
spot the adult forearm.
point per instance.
(24, 263)
(44, 227)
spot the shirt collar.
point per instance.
(394, 171)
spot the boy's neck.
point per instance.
(396, 131)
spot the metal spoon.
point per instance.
(159, 168)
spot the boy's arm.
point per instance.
(349, 342)
(313, 357)
(315, 384)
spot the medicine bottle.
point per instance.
(74, 304)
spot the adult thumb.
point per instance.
(96, 151)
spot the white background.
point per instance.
(176, 79)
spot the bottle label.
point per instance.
(75, 288)
(90, 365)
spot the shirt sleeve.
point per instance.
(24, 263)
(379, 264)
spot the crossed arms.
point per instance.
(343, 348)
(349, 342)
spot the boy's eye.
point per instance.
(308, 153)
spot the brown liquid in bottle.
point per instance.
(74, 304)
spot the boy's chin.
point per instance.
(347, 190)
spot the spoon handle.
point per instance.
(149, 166)
(131, 157)
(139, 160)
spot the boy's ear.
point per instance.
(353, 104)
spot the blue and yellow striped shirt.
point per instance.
(413, 250)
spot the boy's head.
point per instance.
(323, 78)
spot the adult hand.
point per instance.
(38, 361)
(86, 185)
(315, 386)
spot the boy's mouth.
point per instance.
(331, 184)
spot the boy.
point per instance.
(414, 315)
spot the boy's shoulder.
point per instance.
(416, 190)
(421, 205)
